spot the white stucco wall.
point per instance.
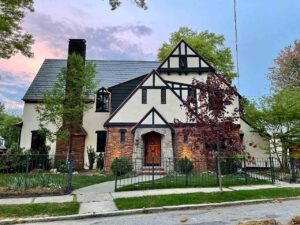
(31, 123)
(92, 122)
(261, 142)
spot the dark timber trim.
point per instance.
(153, 111)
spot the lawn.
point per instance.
(199, 180)
(46, 209)
(200, 198)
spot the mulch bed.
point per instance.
(31, 192)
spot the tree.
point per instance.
(12, 38)
(215, 126)
(64, 105)
(116, 3)
(279, 116)
(8, 129)
(286, 67)
(209, 45)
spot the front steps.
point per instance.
(148, 170)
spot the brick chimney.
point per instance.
(76, 142)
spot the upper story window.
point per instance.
(182, 62)
(102, 101)
(38, 141)
(163, 96)
(144, 96)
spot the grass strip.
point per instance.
(199, 198)
(44, 209)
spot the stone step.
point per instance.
(148, 170)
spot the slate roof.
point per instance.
(108, 73)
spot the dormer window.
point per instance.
(102, 101)
(182, 62)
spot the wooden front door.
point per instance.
(152, 144)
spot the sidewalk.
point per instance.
(99, 198)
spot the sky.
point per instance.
(264, 28)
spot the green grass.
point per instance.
(203, 180)
(199, 198)
(80, 181)
(30, 210)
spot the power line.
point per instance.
(236, 44)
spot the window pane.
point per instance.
(163, 96)
(102, 102)
(122, 138)
(144, 96)
(101, 141)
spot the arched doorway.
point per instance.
(152, 148)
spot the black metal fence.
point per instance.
(35, 174)
(203, 172)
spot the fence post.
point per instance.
(245, 170)
(116, 173)
(27, 172)
(70, 173)
(185, 170)
(293, 170)
(152, 170)
(272, 170)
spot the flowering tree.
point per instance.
(215, 112)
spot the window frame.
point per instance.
(100, 106)
(144, 96)
(98, 140)
(182, 62)
(122, 136)
(163, 96)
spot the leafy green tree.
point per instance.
(12, 38)
(116, 3)
(8, 128)
(278, 115)
(286, 69)
(209, 45)
(64, 105)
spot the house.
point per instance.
(133, 110)
(2, 145)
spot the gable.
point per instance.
(132, 110)
(183, 59)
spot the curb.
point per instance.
(142, 211)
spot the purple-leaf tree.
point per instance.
(215, 112)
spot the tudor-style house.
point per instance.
(134, 108)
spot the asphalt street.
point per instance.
(281, 211)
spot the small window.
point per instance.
(163, 96)
(102, 101)
(183, 62)
(144, 96)
(192, 93)
(186, 138)
(101, 141)
(122, 136)
(38, 141)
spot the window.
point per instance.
(144, 96)
(192, 93)
(182, 62)
(163, 96)
(1, 142)
(122, 136)
(102, 101)
(38, 141)
(101, 141)
(215, 100)
(186, 138)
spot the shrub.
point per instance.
(185, 165)
(121, 166)
(61, 166)
(92, 157)
(100, 161)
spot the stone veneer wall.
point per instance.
(167, 153)
(201, 163)
(114, 149)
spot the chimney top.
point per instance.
(78, 47)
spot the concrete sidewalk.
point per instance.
(99, 198)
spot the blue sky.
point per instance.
(129, 32)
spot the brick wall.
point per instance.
(195, 154)
(114, 149)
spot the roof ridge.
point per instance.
(108, 60)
